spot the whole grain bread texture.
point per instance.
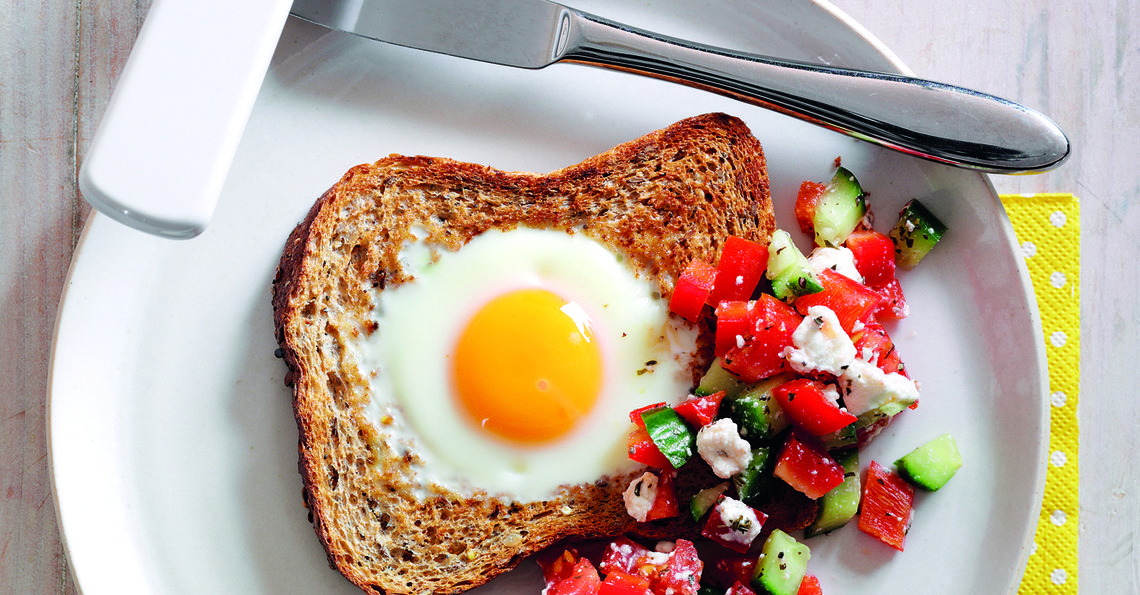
(660, 200)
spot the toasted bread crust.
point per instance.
(661, 200)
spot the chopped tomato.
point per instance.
(807, 467)
(635, 415)
(692, 290)
(887, 507)
(622, 555)
(806, 200)
(682, 573)
(763, 355)
(733, 324)
(810, 586)
(850, 300)
(742, 264)
(665, 505)
(893, 306)
(644, 451)
(620, 583)
(807, 404)
(874, 256)
(874, 337)
(700, 410)
(583, 580)
(556, 565)
(739, 588)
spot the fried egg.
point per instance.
(510, 366)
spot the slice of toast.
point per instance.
(660, 200)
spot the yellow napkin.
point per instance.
(1049, 232)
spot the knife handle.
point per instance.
(163, 148)
(940, 122)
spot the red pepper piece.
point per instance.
(665, 505)
(700, 410)
(850, 300)
(718, 530)
(807, 467)
(887, 507)
(874, 256)
(742, 264)
(805, 402)
(733, 319)
(762, 355)
(893, 306)
(692, 290)
(644, 451)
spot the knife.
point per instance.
(935, 121)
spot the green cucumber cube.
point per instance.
(838, 507)
(705, 499)
(788, 268)
(931, 465)
(915, 234)
(781, 566)
(841, 207)
(716, 379)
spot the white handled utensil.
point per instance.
(165, 143)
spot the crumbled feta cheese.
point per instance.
(721, 446)
(819, 344)
(640, 495)
(867, 387)
(741, 525)
(840, 260)
(739, 280)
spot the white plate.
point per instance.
(172, 438)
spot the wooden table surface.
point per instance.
(1077, 60)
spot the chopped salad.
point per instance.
(805, 375)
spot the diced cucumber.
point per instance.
(717, 379)
(931, 465)
(672, 436)
(705, 499)
(841, 207)
(841, 438)
(888, 409)
(756, 413)
(838, 507)
(788, 268)
(781, 566)
(754, 484)
(915, 234)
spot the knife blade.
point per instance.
(939, 122)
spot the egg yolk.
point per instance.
(526, 368)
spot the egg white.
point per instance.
(418, 323)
